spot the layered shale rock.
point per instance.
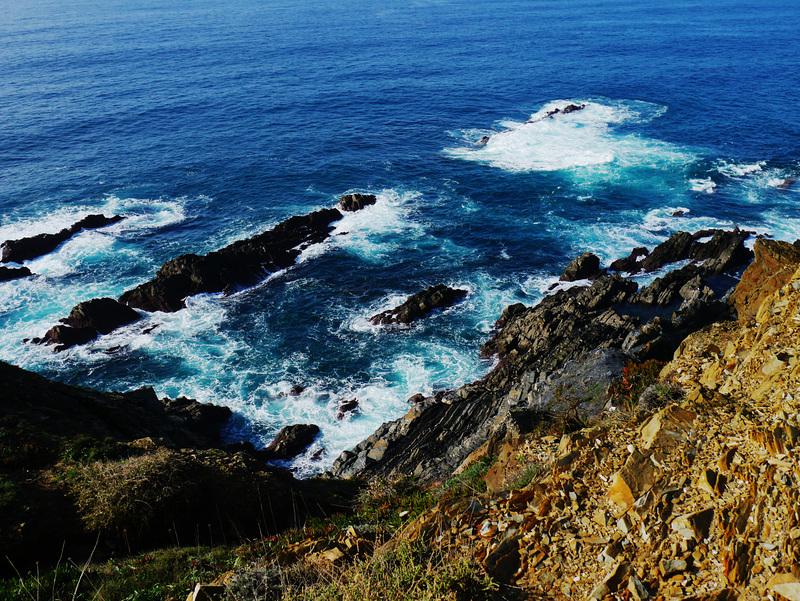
(775, 263)
(24, 249)
(437, 435)
(421, 304)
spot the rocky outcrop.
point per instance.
(87, 321)
(584, 267)
(24, 249)
(775, 263)
(12, 273)
(420, 305)
(238, 265)
(437, 435)
(356, 202)
(235, 266)
(290, 442)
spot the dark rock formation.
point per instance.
(630, 263)
(87, 320)
(347, 408)
(25, 249)
(240, 264)
(420, 305)
(674, 249)
(774, 265)
(543, 351)
(584, 267)
(570, 108)
(356, 202)
(11, 273)
(204, 419)
(290, 442)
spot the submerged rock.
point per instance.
(420, 305)
(24, 249)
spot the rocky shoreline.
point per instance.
(690, 494)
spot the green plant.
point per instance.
(527, 475)
(86, 449)
(470, 481)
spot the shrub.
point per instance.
(636, 377)
(127, 494)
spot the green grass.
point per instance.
(468, 482)
(153, 576)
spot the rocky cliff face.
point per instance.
(697, 500)
(599, 325)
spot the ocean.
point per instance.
(207, 122)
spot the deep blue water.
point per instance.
(206, 122)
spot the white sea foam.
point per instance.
(376, 231)
(706, 185)
(739, 170)
(583, 138)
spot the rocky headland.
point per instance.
(631, 442)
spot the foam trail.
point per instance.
(580, 139)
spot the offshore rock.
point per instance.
(290, 442)
(584, 267)
(420, 305)
(356, 202)
(630, 263)
(25, 249)
(774, 265)
(13, 273)
(87, 320)
(240, 264)
(237, 265)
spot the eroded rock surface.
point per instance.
(24, 249)
(420, 305)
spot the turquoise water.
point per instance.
(207, 122)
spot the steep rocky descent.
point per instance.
(237, 265)
(24, 249)
(437, 435)
(695, 501)
(775, 263)
(420, 305)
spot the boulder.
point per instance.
(774, 265)
(12, 273)
(584, 267)
(25, 249)
(347, 408)
(420, 305)
(87, 320)
(356, 202)
(290, 442)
